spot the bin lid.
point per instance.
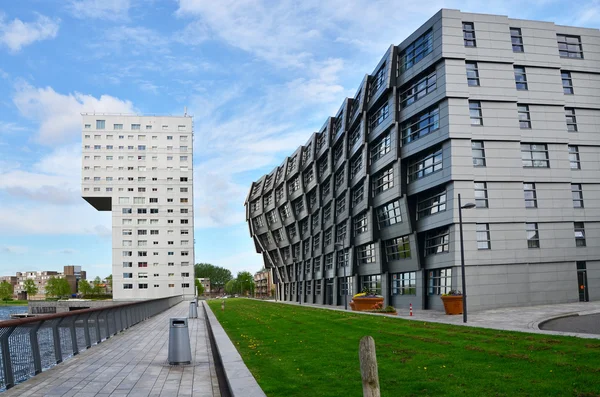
(178, 322)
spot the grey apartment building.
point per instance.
(505, 112)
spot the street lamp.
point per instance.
(337, 247)
(462, 255)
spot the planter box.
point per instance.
(453, 304)
(361, 303)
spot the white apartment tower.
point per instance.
(140, 168)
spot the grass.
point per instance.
(13, 303)
(303, 351)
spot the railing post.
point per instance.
(117, 322)
(56, 337)
(114, 316)
(97, 323)
(9, 378)
(74, 335)
(86, 331)
(107, 325)
(35, 347)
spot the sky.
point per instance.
(259, 77)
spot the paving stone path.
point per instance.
(132, 364)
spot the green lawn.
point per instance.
(13, 303)
(303, 351)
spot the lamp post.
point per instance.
(337, 247)
(462, 255)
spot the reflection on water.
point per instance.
(5, 311)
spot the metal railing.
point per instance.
(30, 345)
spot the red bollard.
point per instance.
(411, 310)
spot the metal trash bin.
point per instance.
(180, 351)
(193, 310)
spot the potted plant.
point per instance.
(365, 300)
(453, 302)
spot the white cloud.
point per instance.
(10, 127)
(17, 34)
(59, 115)
(64, 251)
(13, 249)
(100, 9)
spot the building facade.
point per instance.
(73, 274)
(140, 169)
(263, 283)
(205, 284)
(505, 112)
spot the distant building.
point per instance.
(73, 274)
(263, 281)
(206, 284)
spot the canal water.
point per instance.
(5, 311)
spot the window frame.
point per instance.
(473, 67)
(530, 149)
(516, 39)
(469, 37)
(478, 153)
(533, 234)
(397, 248)
(482, 231)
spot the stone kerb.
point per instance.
(239, 378)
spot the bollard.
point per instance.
(411, 310)
(193, 310)
(223, 306)
(180, 351)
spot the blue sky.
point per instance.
(258, 76)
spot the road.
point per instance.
(589, 324)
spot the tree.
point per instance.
(232, 287)
(109, 280)
(6, 290)
(218, 276)
(30, 287)
(199, 287)
(97, 289)
(245, 282)
(58, 287)
(84, 287)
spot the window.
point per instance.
(267, 200)
(322, 167)
(358, 195)
(328, 237)
(379, 116)
(416, 51)
(524, 116)
(404, 283)
(127, 286)
(317, 268)
(361, 223)
(569, 46)
(424, 164)
(397, 248)
(354, 137)
(284, 211)
(321, 141)
(278, 235)
(383, 181)
(483, 236)
(342, 258)
(570, 118)
(534, 155)
(271, 217)
(579, 234)
(381, 147)
(389, 214)
(533, 235)
(431, 203)
(567, 82)
(440, 281)
(373, 283)
(437, 241)
(472, 74)
(418, 89)
(326, 188)
(420, 125)
(475, 113)
(469, 34)
(100, 124)
(338, 153)
(309, 176)
(254, 206)
(339, 178)
(478, 153)
(356, 166)
(520, 78)
(366, 254)
(127, 264)
(346, 286)
(577, 193)
(329, 261)
(317, 242)
(294, 185)
(574, 157)
(481, 197)
(299, 206)
(517, 40)
(88, 126)
(292, 165)
(378, 80)
(530, 195)
(340, 205)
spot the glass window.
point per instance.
(361, 223)
(530, 195)
(379, 116)
(383, 181)
(431, 202)
(517, 40)
(397, 248)
(294, 184)
(100, 124)
(478, 153)
(424, 164)
(567, 82)
(381, 147)
(356, 166)
(366, 254)
(535, 155)
(404, 283)
(440, 281)
(481, 196)
(373, 283)
(358, 195)
(577, 193)
(420, 125)
(533, 235)
(469, 34)
(574, 157)
(437, 241)
(418, 88)
(569, 46)
(571, 120)
(483, 236)
(389, 214)
(579, 234)
(524, 116)
(472, 74)
(475, 113)
(378, 81)
(416, 51)
(520, 78)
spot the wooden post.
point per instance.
(222, 305)
(368, 367)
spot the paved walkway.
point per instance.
(525, 319)
(132, 364)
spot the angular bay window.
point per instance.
(425, 164)
(378, 80)
(431, 203)
(389, 214)
(397, 248)
(373, 283)
(404, 283)
(418, 89)
(381, 147)
(383, 181)
(420, 125)
(356, 166)
(358, 195)
(379, 116)
(437, 241)
(361, 223)
(366, 254)
(416, 51)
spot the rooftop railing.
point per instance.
(31, 345)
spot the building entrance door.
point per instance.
(582, 283)
(329, 291)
